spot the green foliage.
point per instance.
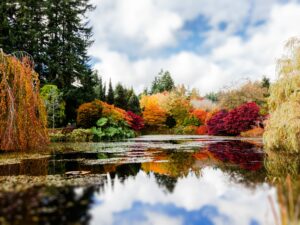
(162, 82)
(120, 98)
(77, 135)
(191, 121)
(108, 129)
(265, 82)
(56, 34)
(110, 98)
(212, 96)
(55, 105)
(134, 104)
(102, 90)
(170, 121)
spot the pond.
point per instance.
(146, 180)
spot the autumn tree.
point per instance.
(249, 92)
(153, 114)
(283, 127)
(23, 118)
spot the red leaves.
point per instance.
(137, 122)
(235, 121)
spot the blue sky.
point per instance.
(205, 44)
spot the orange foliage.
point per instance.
(255, 132)
(209, 115)
(23, 118)
(89, 113)
(201, 130)
(200, 114)
(153, 114)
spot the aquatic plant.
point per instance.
(107, 128)
(283, 128)
(23, 118)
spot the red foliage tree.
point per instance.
(241, 118)
(215, 125)
(137, 122)
(23, 118)
(235, 121)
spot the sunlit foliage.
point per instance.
(55, 105)
(153, 114)
(23, 118)
(89, 113)
(249, 92)
(283, 127)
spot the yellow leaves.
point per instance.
(153, 114)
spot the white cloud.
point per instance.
(214, 188)
(139, 28)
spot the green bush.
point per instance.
(192, 121)
(109, 129)
(80, 135)
(77, 135)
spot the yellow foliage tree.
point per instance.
(153, 114)
(283, 127)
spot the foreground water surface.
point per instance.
(148, 180)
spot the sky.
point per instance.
(205, 44)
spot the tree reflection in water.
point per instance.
(70, 205)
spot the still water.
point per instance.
(148, 180)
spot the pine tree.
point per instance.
(162, 82)
(110, 95)
(102, 90)
(134, 104)
(120, 97)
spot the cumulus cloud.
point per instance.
(133, 40)
(190, 194)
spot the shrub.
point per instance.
(241, 118)
(89, 113)
(137, 122)
(254, 132)
(200, 114)
(215, 125)
(80, 135)
(201, 130)
(107, 129)
(191, 120)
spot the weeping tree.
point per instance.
(283, 127)
(23, 118)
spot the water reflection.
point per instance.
(192, 181)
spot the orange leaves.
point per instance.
(153, 114)
(201, 130)
(89, 113)
(23, 118)
(200, 114)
